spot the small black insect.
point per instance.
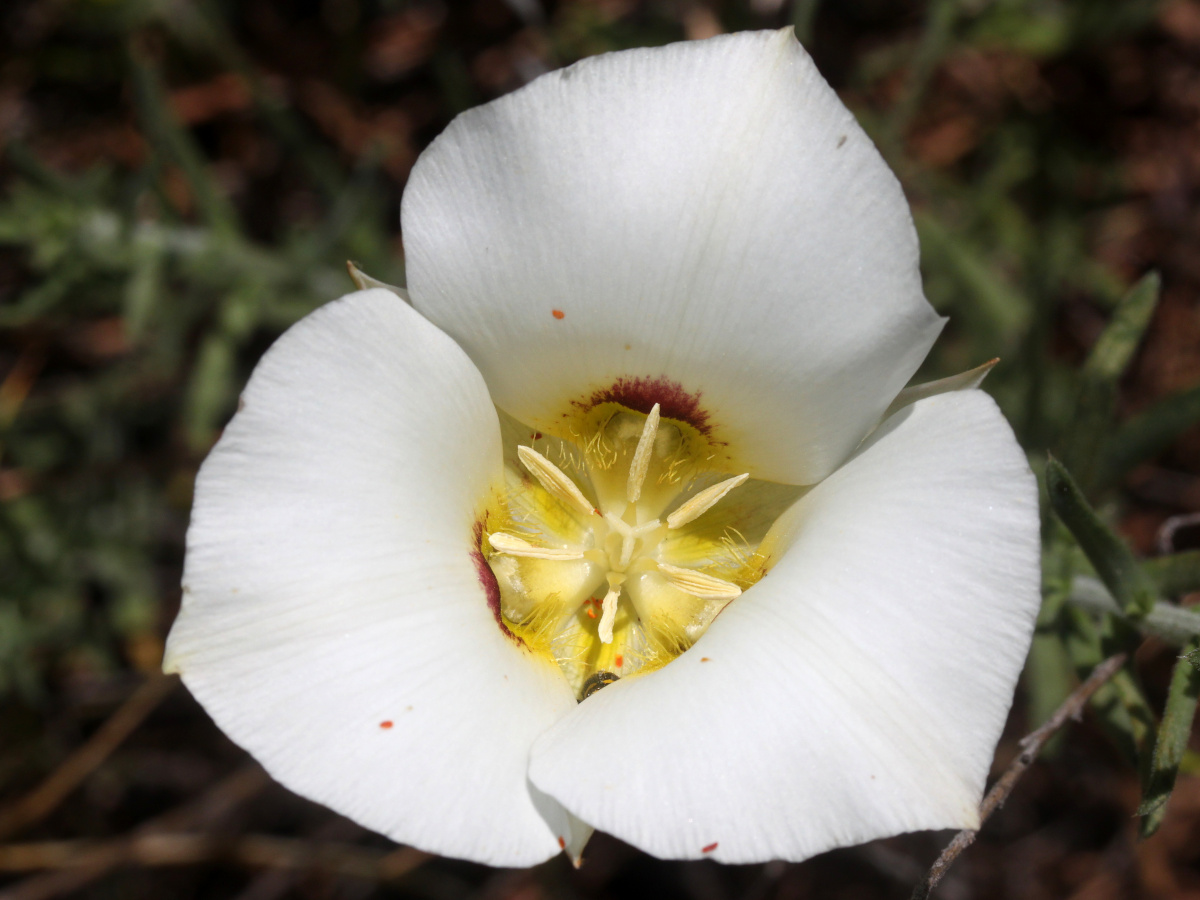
(597, 681)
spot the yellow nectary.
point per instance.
(614, 552)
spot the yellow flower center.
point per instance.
(614, 552)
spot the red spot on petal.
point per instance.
(536, 436)
(562, 844)
(491, 587)
(386, 724)
(557, 313)
(640, 395)
(710, 848)
(619, 660)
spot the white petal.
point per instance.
(334, 623)
(859, 689)
(706, 214)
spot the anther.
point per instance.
(511, 545)
(705, 587)
(703, 501)
(554, 480)
(641, 457)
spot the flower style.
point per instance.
(625, 522)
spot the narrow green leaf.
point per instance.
(998, 307)
(1110, 556)
(144, 288)
(1049, 679)
(201, 25)
(1116, 345)
(1120, 706)
(1191, 763)
(1175, 575)
(176, 144)
(1171, 623)
(1145, 436)
(936, 38)
(1105, 365)
(209, 391)
(1172, 740)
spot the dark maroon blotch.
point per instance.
(640, 395)
(491, 587)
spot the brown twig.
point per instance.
(253, 850)
(272, 884)
(205, 812)
(1031, 746)
(44, 799)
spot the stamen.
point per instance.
(608, 609)
(703, 501)
(554, 480)
(641, 457)
(706, 587)
(511, 545)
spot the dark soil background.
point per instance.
(180, 181)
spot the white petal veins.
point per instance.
(334, 623)
(859, 689)
(707, 213)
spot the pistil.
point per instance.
(621, 545)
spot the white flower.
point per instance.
(668, 268)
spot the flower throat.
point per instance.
(615, 551)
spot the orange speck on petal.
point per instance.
(620, 660)
(710, 848)
(704, 659)
(557, 313)
(562, 844)
(387, 723)
(591, 613)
